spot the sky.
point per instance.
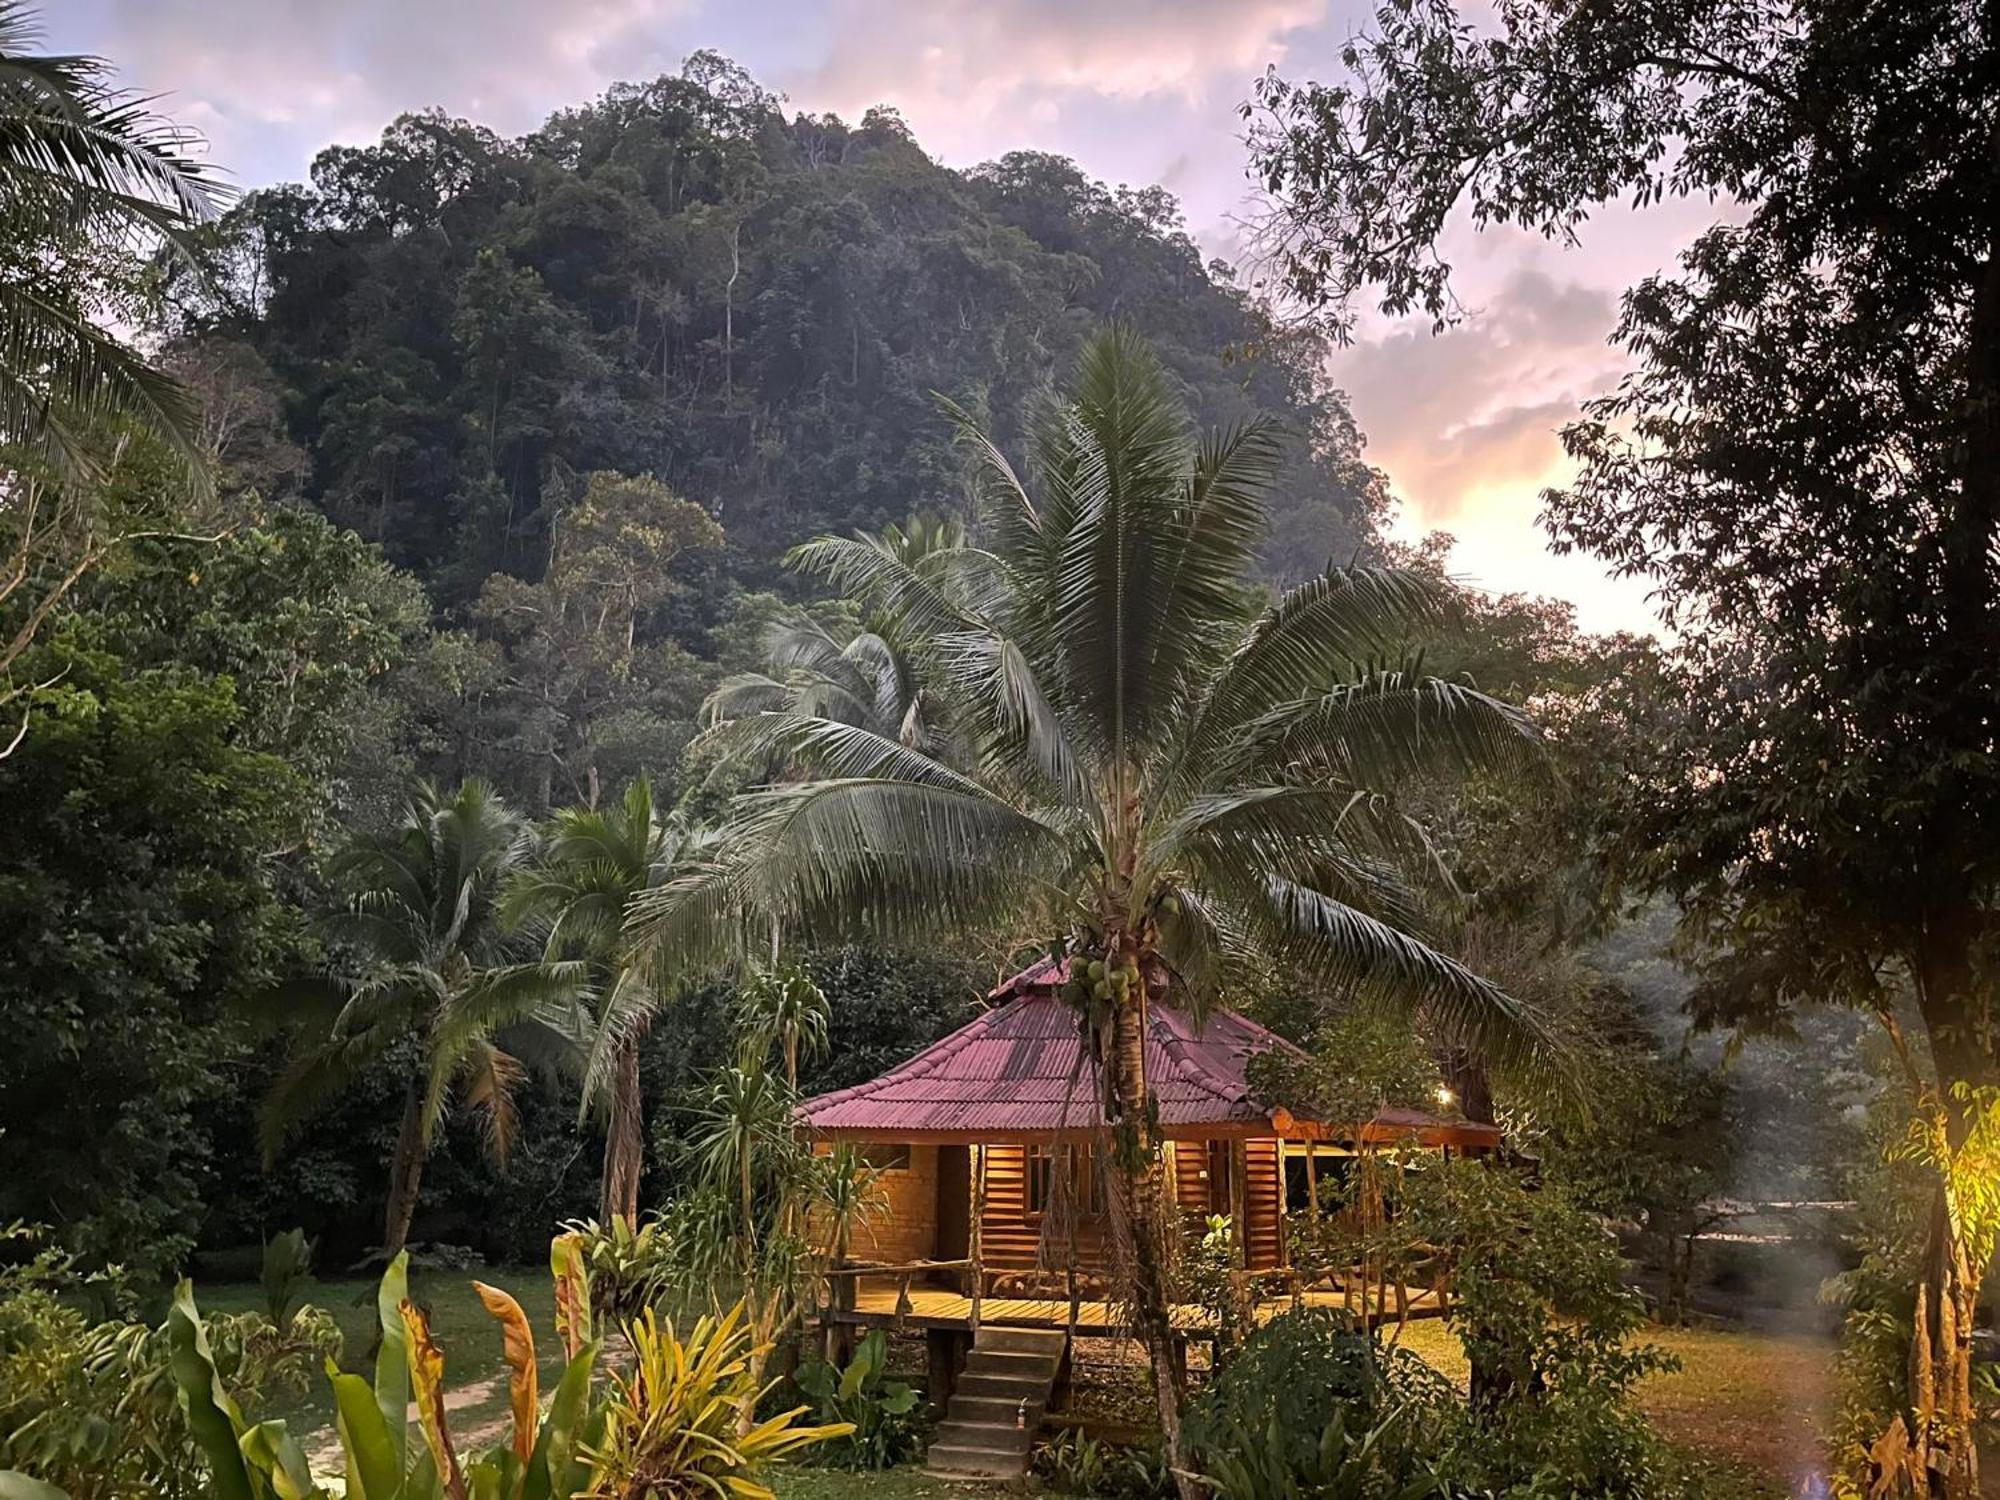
(1136, 91)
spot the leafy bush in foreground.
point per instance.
(883, 1413)
(91, 1405)
(679, 1423)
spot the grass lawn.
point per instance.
(832, 1484)
(474, 1372)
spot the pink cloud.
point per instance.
(966, 69)
(243, 70)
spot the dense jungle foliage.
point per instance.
(509, 438)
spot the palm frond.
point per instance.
(488, 1079)
(1314, 632)
(863, 569)
(1391, 726)
(831, 748)
(79, 157)
(625, 1015)
(1337, 839)
(1020, 714)
(311, 1080)
(63, 379)
(1325, 940)
(1210, 538)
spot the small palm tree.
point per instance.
(1164, 772)
(82, 164)
(592, 868)
(782, 1008)
(433, 980)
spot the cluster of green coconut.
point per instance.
(1101, 980)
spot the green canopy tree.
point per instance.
(1162, 775)
(434, 978)
(575, 656)
(1805, 465)
(591, 870)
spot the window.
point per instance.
(1039, 1184)
(1330, 1171)
(887, 1158)
(1040, 1178)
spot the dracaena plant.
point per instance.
(1158, 766)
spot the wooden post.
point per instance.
(974, 1235)
(843, 1292)
(1239, 1200)
(1312, 1180)
(1075, 1207)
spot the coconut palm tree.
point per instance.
(433, 979)
(1166, 772)
(82, 164)
(592, 867)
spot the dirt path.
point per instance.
(323, 1444)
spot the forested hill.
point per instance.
(682, 280)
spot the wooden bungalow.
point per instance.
(991, 1203)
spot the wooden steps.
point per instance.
(989, 1428)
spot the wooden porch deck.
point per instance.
(931, 1307)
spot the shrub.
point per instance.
(1309, 1401)
(1077, 1464)
(630, 1268)
(883, 1413)
(285, 1271)
(90, 1406)
(1540, 1303)
(679, 1424)
(1304, 1368)
(1346, 1462)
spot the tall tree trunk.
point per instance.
(1464, 1072)
(624, 1140)
(1143, 1204)
(1941, 1362)
(1939, 1396)
(406, 1173)
(1465, 1075)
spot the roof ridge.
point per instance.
(922, 1065)
(1218, 1086)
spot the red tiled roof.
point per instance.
(1020, 1069)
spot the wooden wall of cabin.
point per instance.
(1264, 1206)
(1202, 1172)
(903, 1225)
(1010, 1234)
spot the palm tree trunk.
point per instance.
(406, 1173)
(624, 1140)
(1140, 1203)
(1939, 1389)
